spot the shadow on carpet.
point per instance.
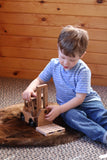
(15, 132)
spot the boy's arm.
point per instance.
(73, 103)
(29, 91)
(56, 110)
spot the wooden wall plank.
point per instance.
(34, 42)
(47, 54)
(97, 46)
(99, 80)
(104, 2)
(38, 65)
(20, 63)
(95, 58)
(56, 8)
(98, 69)
(46, 43)
(31, 53)
(53, 20)
(31, 74)
(40, 31)
(97, 34)
(29, 30)
(25, 74)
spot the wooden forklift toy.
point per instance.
(34, 112)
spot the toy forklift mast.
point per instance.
(41, 108)
(41, 88)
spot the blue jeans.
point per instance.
(89, 118)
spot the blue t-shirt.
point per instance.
(69, 82)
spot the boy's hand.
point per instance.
(27, 94)
(55, 112)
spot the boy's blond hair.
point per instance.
(73, 41)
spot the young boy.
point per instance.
(80, 106)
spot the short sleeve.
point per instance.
(84, 81)
(46, 74)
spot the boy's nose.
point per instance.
(65, 63)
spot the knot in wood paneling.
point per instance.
(43, 19)
(15, 73)
(42, 1)
(82, 25)
(5, 31)
(58, 9)
(99, 1)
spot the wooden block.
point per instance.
(41, 118)
(43, 87)
(27, 116)
(38, 99)
(31, 106)
(50, 129)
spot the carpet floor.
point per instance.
(81, 149)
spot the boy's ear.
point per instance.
(83, 54)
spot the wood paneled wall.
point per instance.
(29, 31)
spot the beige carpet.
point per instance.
(81, 149)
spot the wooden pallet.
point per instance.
(50, 129)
